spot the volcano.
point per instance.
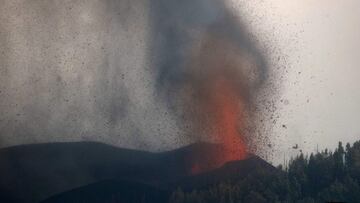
(70, 172)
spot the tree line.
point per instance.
(325, 176)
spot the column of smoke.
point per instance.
(209, 76)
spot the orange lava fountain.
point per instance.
(224, 107)
(220, 96)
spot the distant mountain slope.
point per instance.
(32, 173)
(112, 191)
(133, 192)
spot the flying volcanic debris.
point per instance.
(208, 73)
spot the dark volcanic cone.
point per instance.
(31, 173)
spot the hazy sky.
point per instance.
(51, 70)
(318, 43)
(84, 69)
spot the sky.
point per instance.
(312, 47)
(317, 43)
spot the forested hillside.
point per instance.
(326, 176)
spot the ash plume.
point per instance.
(208, 72)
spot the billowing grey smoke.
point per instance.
(111, 71)
(178, 25)
(186, 39)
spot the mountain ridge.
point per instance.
(31, 173)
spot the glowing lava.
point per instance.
(225, 109)
(219, 79)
